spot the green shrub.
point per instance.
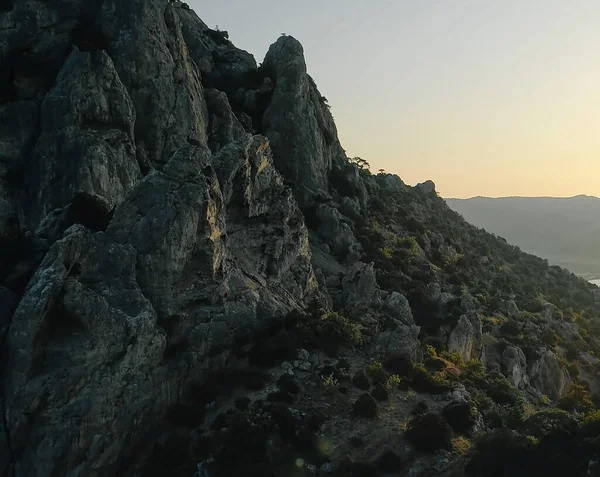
(331, 330)
(501, 391)
(429, 433)
(436, 342)
(393, 381)
(548, 422)
(577, 399)
(375, 370)
(399, 364)
(380, 392)
(329, 381)
(425, 382)
(462, 416)
(473, 370)
(495, 453)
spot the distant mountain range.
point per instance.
(565, 231)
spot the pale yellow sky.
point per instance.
(491, 98)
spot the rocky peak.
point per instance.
(299, 124)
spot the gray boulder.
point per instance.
(433, 291)
(466, 339)
(547, 376)
(359, 288)
(491, 355)
(514, 367)
(398, 306)
(401, 340)
(336, 231)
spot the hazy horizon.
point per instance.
(524, 197)
(483, 98)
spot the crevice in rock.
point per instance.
(87, 37)
(311, 219)
(176, 340)
(90, 212)
(26, 75)
(61, 336)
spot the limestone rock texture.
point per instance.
(144, 227)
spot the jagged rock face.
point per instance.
(360, 289)
(83, 339)
(398, 305)
(222, 65)
(402, 341)
(547, 376)
(298, 123)
(514, 366)
(335, 231)
(87, 119)
(491, 355)
(185, 235)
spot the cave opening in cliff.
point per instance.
(90, 212)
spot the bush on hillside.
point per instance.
(461, 415)
(429, 433)
(577, 399)
(424, 382)
(329, 330)
(549, 422)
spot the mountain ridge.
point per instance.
(525, 197)
(562, 230)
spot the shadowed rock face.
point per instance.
(165, 229)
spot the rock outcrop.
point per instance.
(299, 124)
(168, 230)
(399, 307)
(547, 376)
(466, 339)
(514, 366)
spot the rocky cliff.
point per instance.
(164, 203)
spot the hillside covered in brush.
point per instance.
(195, 280)
(563, 230)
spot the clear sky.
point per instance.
(491, 98)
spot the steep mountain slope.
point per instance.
(195, 279)
(565, 231)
